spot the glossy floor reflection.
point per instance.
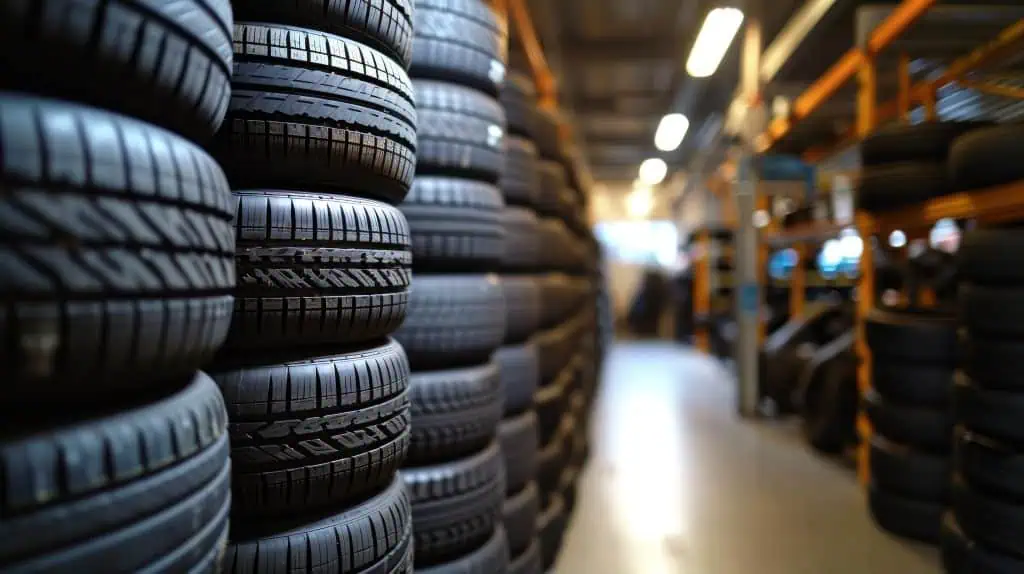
(678, 484)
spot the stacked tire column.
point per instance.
(910, 408)
(982, 534)
(455, 473)
(319, 146)
(116, 256)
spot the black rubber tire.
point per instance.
(456, 505)
(558, 245)
(520, 375)
(926, 428)
(454, 412)
(312, 432)
(522, 306)
(382, 24)
(552, 198)
(529, 562)
(990, 465)
(116, 253)
(552, 401)
(987, 157)
(992, 311)
(905, 517)
(519, 437)
(908, 473)
(553, 457)
(928, 141)
(920, 336)
(548, 137)
(143, 488)
(556, 348)
(829, 406)
(897, 185)
(520, 518)
(519, 98)
(453, 320)
(455, 223)
(521, 177)
(168, 63)
(461, 132)
(523, 248)
(325, 114)
(491, 558)
(993, 362)
(370, 537)
(961, 555)
(991, 521)
(464, 41)
(997, 414)
(551, 525)
(562, 297)
(567, 487)
(992, 256)
(912, 383)
(317, 269)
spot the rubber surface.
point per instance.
(547, 135)
(520, 375)
(453, 320)
(315, 111)
(562, 296)
(372, 537)
(454, 412)
(520, 518)
(455, 223)
(829, 405)
(961, 555)
(143, 489)
(115, 248)
(987, 157)
(312, 432)
(913, 383)
(551, 401)
(383, 24)
(991, 521)
(990, 465)
(554, 198)
(992, 311)
(464, 41)
(519, 98)
(491, 558)
(909, 473)
(994, 362)
(994, 413)
(522, 306)
(551, 525)
(519, 437)
(529, 562)
(896, 185)
(991, 256)
(521, 176)
(315, 269)
(461, 132)
(168, 63)
(523, 248)
(927, 141)
(922, 336)
(556, 348)
(905, 517)
(554, 455)
(456, 505)
(926, 428)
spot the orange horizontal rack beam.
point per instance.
(804, 233)
(994, 205)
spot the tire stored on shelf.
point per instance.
(992, 522)
(912, 335)
(987, 157)
(463, 41)
(990, 465)
(314, 111)
(924, 142)
(994, 413)
(520, 518)
(926, 428)
(520, 375)
(313, 432)
(117, 252)
(316, 269)
(906, 517)
(520, 178)
(519, 98)
(892, 186)
(520, 443)
(961, 555)
(907, 472)
(523, 248)
(461, 132)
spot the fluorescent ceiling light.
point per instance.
(640, 202)
(713, 41)
(653, 171)
(671, 132)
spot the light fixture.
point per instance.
(653, 171)
(713, 40)
(640, 202)
(671, 132)
(761, 219)
(897, 239)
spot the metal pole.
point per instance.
(748, 289)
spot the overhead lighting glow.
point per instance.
(713, 40)
(897, 239)
(653, 171)
(671, 132)
(640, 202)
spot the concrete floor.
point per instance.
(678, 484)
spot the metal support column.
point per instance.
(748, 289)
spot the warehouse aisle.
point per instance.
(677, 484)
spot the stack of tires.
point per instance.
(319, 146)
(455, 472)
(549, 272)
(910, 409)
(116, 257)
(982, 535)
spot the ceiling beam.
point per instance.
(629, 49)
